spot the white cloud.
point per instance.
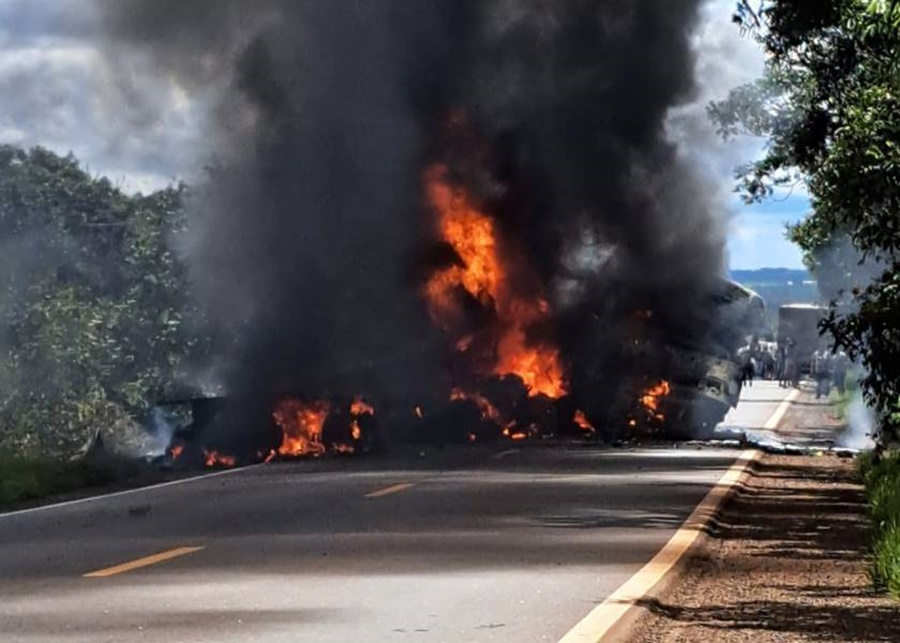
(757, 243)
(756, 236)
(61, 90)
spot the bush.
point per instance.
(886, 561)
(882, 483)
(23, 479)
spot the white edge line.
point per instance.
(126, 492)
(775, 419)
(600, 621)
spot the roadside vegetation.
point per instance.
(23, 479)
(95, 320)
(881, 477)
(94, 313)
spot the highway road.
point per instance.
(512, 543)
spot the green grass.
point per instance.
(23, 479)
(882, 483)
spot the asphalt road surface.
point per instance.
(467, 544)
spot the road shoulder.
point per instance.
(787, 560)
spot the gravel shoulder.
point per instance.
(786, 561)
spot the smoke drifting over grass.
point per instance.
(309, 236)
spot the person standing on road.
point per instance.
(779, 364)
(840, 367)
(791, 368)
(768, 360)
(749, 369)
(821, 371)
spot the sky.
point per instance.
(58, 89)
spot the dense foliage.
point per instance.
(881, 477)
(828, 106)
(92, 299)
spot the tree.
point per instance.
(827, 104)
(93, 301)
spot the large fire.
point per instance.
(473, 236)
(301, 426)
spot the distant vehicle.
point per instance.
(799, 324)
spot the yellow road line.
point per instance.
(403, 486)
(142, 562)
(599, 624)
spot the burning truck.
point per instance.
(687, 396)
(706, 376)
(509, 378)
(518, 363)
(477, 218)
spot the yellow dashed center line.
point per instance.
(142, 562)
(403, 486)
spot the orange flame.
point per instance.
(216, 459)
(472, 235)
(360, 407)
(176, 451)
(488, 410)
(514, 435)
(301, 426)
(581, 420)
(651, 397)
(357, 408)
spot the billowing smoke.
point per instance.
(862, 425)
(311, 235)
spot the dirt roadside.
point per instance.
(787, 559)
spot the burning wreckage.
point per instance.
(702, 382)
(447, 221)
(511, 383)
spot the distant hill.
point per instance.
(771, 276)
(779, 286)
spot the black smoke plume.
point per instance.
(311, 232)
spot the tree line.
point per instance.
(96, 319)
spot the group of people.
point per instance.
(768, 361)
(780, 361)
(829, 368)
